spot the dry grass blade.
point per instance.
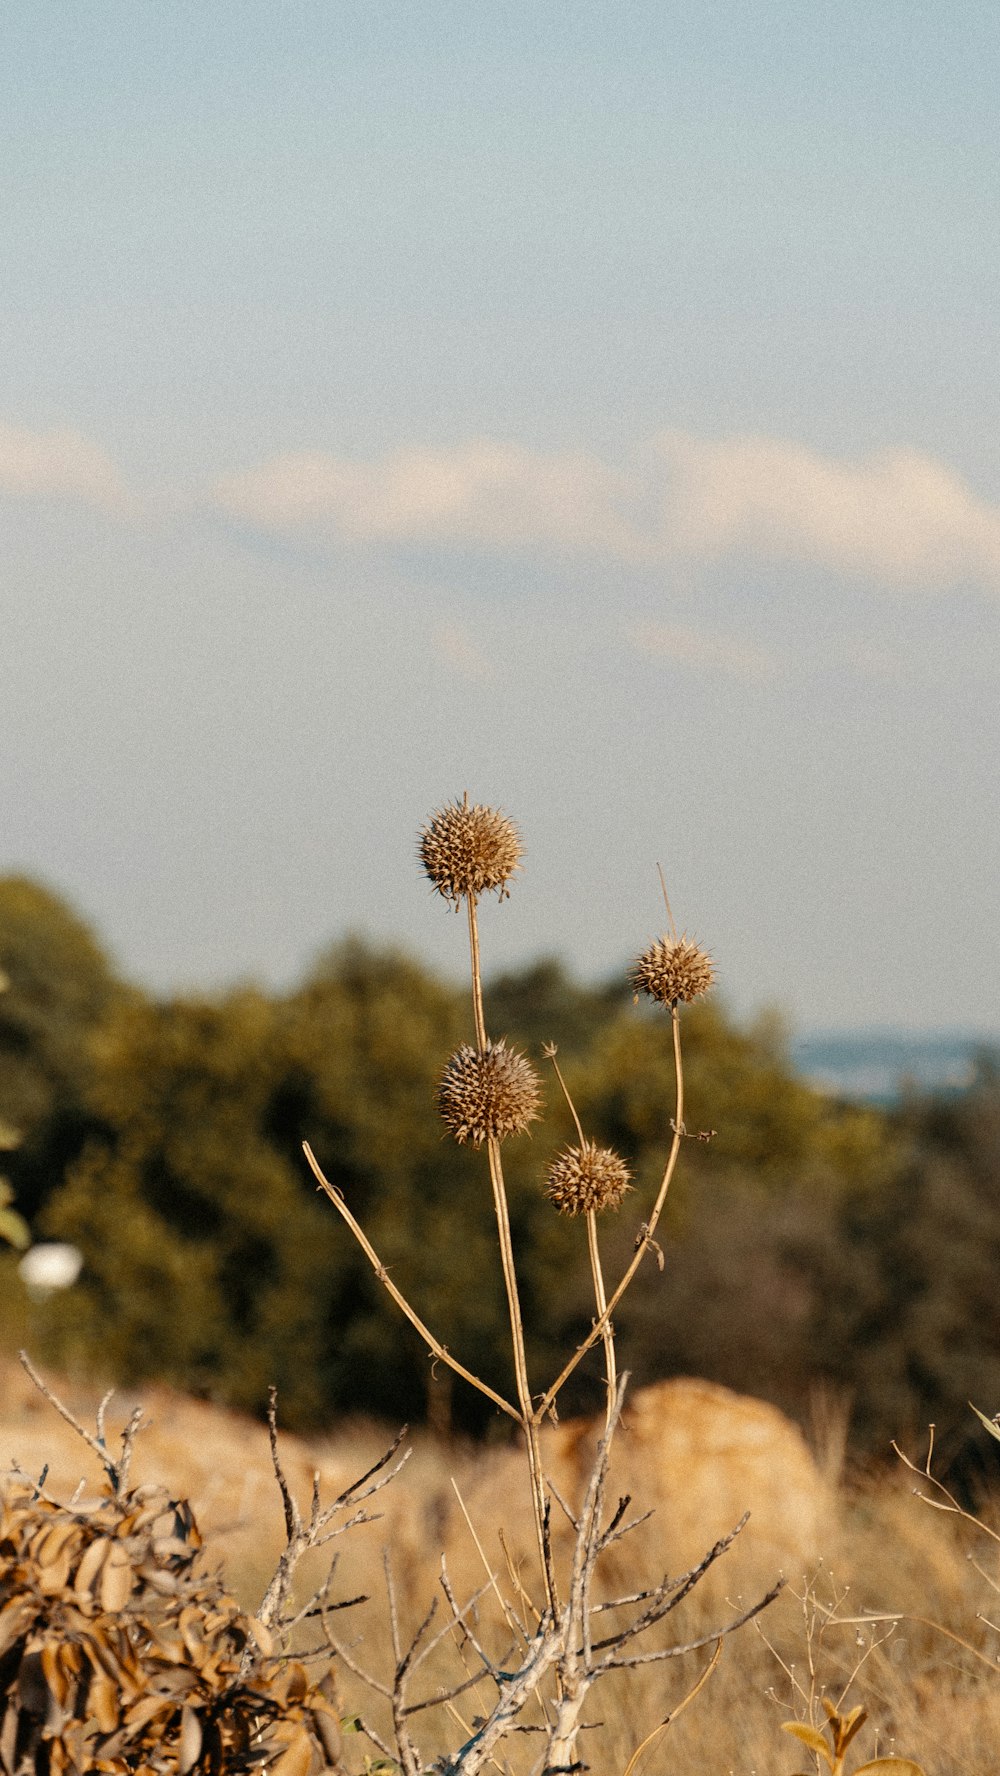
(650, 1740)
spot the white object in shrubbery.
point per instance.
(49, 1266)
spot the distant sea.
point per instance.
(880, 1066)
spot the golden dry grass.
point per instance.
(929, 1680)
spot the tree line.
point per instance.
(809, 1244)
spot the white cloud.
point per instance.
(481, 494)
(705, 651)
(898, 517)
(60, 464)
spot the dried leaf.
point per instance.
(262, 1635)
(892, 1766)
(146, 1709)
(189, 1748)
(990, 1423)
(116, 1580)
(297, 1760)
(8, 1737)
(16, 1618)
(809, 1736)
(90, 1566)
(326, 1726)
(103, 1702)
(55, 1676)
(296, 1681)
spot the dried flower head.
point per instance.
(587, 1177)
(488, 1096)
(673, 969)
(470, 850)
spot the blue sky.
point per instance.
(593, 407)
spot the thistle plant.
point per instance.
(489, 1093)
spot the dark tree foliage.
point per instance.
(543, 1003)
(58, 985)
(768, 1167)
(803, 1242)
(909, 1294)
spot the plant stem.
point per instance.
(608, 1331)
(477, 978)
(433, 1344)
(645, 1236)
(528, 1419)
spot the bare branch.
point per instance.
(116, 1470)
(693, 1646)
(518, 1690)
(491, 1670)
(291, 1509)
(319, 1529)
(348, 1659)
(404, 1744)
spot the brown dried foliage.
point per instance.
(119, 1652)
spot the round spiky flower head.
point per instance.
(673, 969)
(470, 850)
(488, 1096)
(587, 1177)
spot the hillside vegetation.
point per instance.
(811, 1249)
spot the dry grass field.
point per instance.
(870, 1551)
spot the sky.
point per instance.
(589, 407)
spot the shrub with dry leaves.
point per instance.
(120, 1652)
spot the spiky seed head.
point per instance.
(673, 969)
(488, 1096)
(470, 850)
(587, 1177)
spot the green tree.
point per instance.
(59, 986)
(204, 1258)
(211, 1260)
(907, 1290)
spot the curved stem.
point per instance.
(434, 1346)
(608, 1331)
(645, 1236)
(550, 1053)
